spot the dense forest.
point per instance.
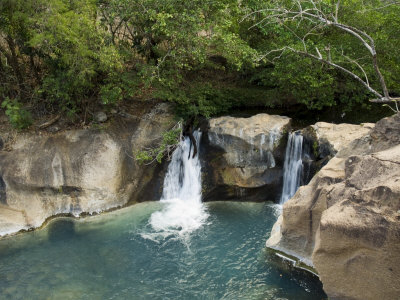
(72, 56)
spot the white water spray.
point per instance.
(293, 166)
(183, 211)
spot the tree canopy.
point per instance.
(59, 56)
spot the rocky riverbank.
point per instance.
(345, 222)
(79, 172)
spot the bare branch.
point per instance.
(380, 7)
(49, 123)
(370, 89)
(337, 11)
(319, 53)
(359, 66)
(314, 12)
(282, 51)
(385, 100)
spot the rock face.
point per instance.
(79, 171)
(346, 221)
(243, 157)
(326, 139)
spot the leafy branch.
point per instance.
(169, 141)
(302, 13)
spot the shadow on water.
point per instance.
(61, 229)
(286, 271)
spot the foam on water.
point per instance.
(104, 257)
(183, 211)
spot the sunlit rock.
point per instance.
(345, 222)
(79, 171)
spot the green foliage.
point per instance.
(311, 83)
(67, 56)
(320, 86)
(172, 40)
(169, 140)
(67, 51)
(110, 94)
(144, 156)
(17, 115)
(119, 86)
(74, 50)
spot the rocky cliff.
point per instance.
(242, 158)
(346, 221)
(79, 171)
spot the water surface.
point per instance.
(112, 257)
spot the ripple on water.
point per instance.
(106, 257)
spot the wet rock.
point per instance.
(243, 157)
(3, 195)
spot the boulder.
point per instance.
(359, 233)
(100, 117)
(79, 171)
(243, 157)
(345, 222)
(326, 139)
(386, 133)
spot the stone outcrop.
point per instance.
(79, 171)
(243, 157)
(346, 221)
(323, 140)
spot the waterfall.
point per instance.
(293, 166)
(183, 212)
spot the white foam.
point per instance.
(183, 211)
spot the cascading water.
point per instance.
(183, 211)
(293, 166)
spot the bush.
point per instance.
(18, 116)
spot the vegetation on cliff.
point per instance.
(70, 57)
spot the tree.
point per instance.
(168, 43)
(309, 21)
(53, 54)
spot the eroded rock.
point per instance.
(327, 139)
(345, 222)
(245, 157)
(79, 171)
